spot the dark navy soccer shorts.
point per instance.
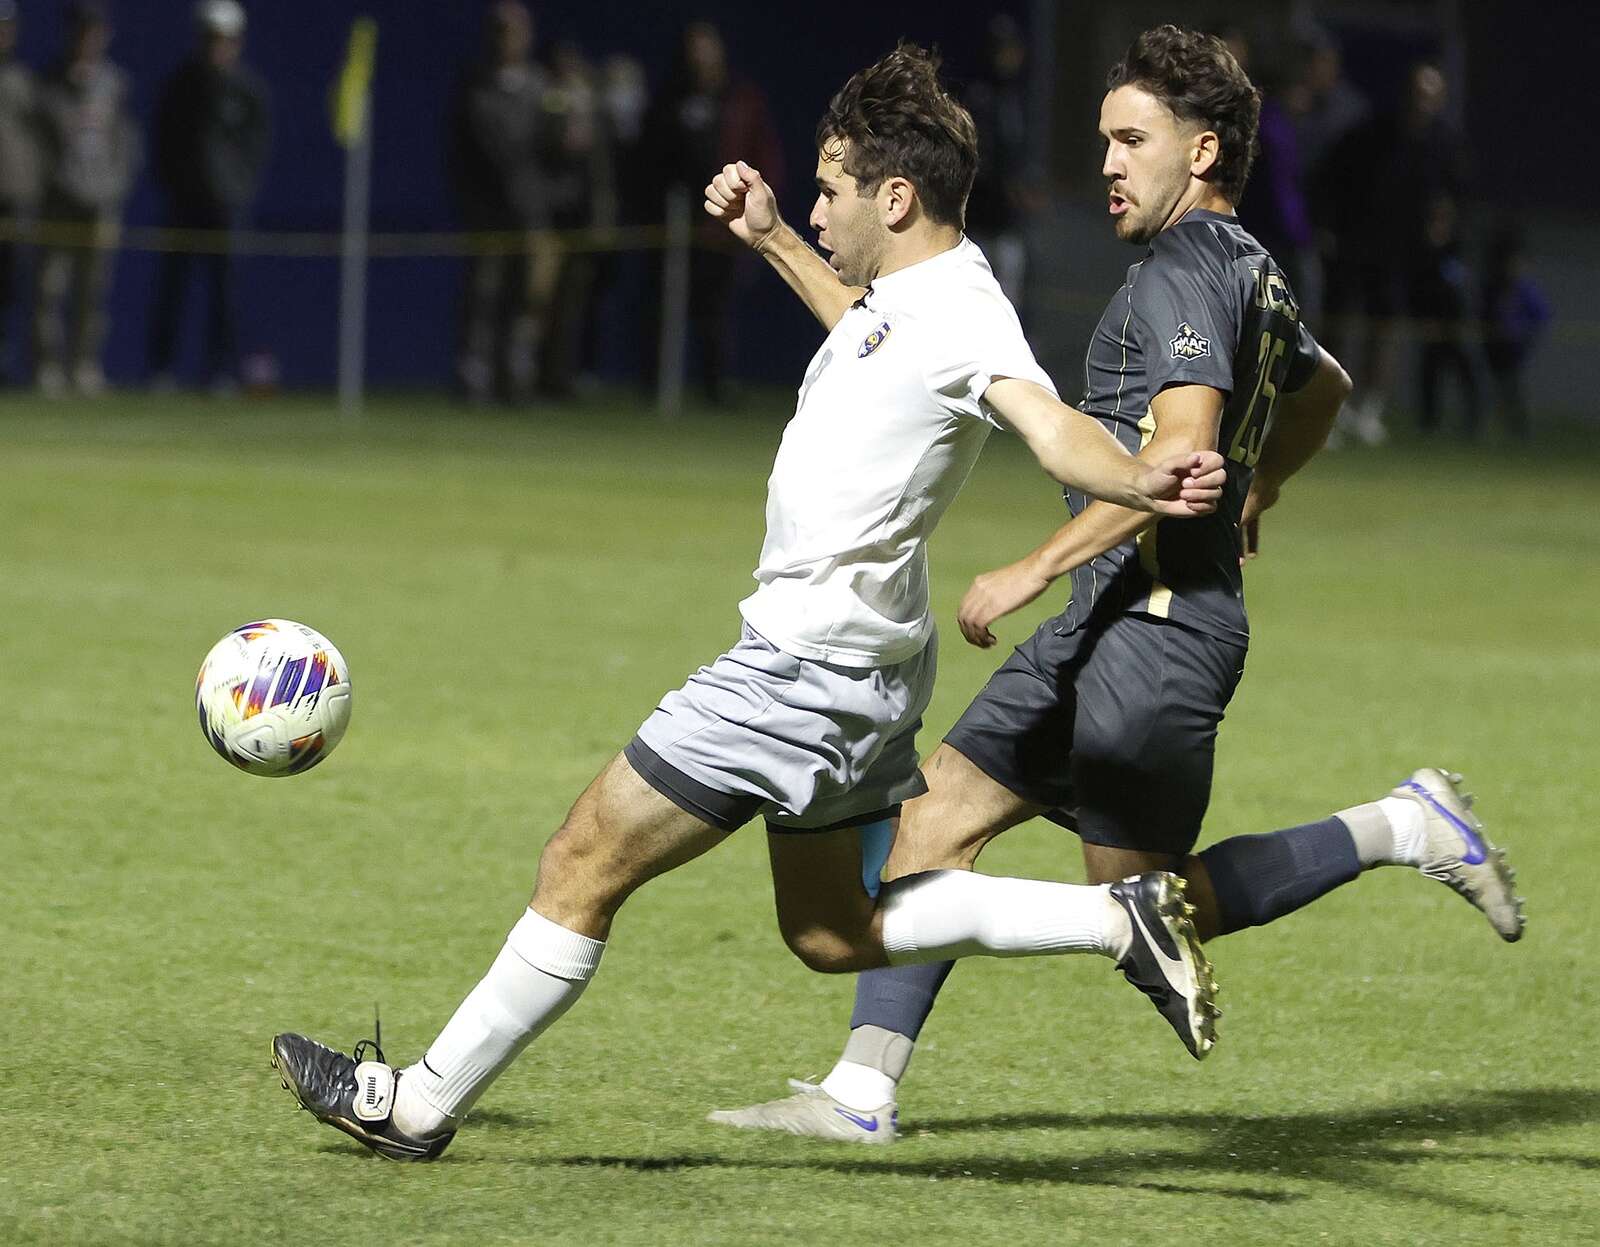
(1111, 727)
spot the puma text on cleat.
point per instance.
(350, 1094)
(1166, 961)
(812, 1112)
(1459, 855)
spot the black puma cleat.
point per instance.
(350, 1094)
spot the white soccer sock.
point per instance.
(1409, 823)
(540, 972)
(859, 1087)
(872, 1066)
(1388, 832)
(957, 913)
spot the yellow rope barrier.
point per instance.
(311, 245)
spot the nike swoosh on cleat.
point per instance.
(1477, 852)
(1171, 967)
(869, 1124)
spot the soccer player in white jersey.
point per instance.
(809, 720)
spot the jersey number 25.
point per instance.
(1257, 419)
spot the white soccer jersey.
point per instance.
(889, 423)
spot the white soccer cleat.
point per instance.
(1459, 855)
(815, 1114)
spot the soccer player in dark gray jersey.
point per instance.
(1206, 306)
(1105, 720)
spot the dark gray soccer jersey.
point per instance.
(1208, 306)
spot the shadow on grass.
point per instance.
(497, 1120)
(1040, 1171)
(489, 1118)
(1366, 1149)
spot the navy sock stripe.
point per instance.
(1259, 879)
(899, 998)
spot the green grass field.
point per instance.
(513, 594)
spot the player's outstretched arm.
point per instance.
(1082, 455)
(1300, 427)
(740, 199)
(1187, 418)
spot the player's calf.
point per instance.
(1142, 923)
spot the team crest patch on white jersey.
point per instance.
(873, 341)
(1190, 343)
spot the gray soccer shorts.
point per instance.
(810, 745)
(1111, 727)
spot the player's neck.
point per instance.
(907, 249)
(1200, 197)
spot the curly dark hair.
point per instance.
(899, 121)
(1198, 80)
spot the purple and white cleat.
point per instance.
(1459, 855)
(815, 1114)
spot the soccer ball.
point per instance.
(273, 697)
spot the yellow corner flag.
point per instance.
(352, 90)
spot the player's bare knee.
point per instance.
(830, 944)
(577, 874)
(829, 952)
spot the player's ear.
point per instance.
(1203, 153)
(895, 198)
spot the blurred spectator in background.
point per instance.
(500, 137)
(90, 149)
(1328, 106)
(1323, 108)
(625, 97)
(1442, 303)
(19, 172)
(211, 136)
(1515, 312)
(1430, 149)
(1003, 197)
(621, 277)
(1429, 161)
(705, 118)
(1381, 181)
(1275, 208)
(581, 194)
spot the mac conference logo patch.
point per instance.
(872, 341)
(1190, 344)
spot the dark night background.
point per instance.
(1522, 75)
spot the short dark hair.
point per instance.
(1198, 80)
(899, 121)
